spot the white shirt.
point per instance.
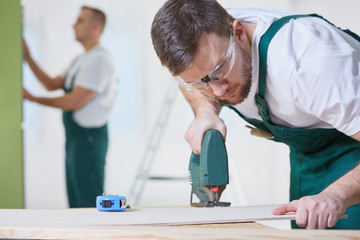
(313, 75)
(94, 70)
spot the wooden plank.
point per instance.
(11, 147)
(142, 216)
(174, 233)
(148, 223)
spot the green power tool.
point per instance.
(209, 173)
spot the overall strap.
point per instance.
(263, 52)
(264, 46)
(72, 81)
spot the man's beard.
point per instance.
(242, 89)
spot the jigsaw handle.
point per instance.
(213, 160)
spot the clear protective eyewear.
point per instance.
(218, 73)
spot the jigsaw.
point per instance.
(209, 173)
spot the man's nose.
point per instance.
(218, 87)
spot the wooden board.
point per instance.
(142, 216)
(174, 233)
(148, 223)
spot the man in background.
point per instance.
(89, 85)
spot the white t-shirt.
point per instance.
(313, 74)
(94, 70)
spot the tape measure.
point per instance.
(111, 203)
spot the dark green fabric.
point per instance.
(84, 161)
(318, 157)
(85, 154)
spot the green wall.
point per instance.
(11, 153)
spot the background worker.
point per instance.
(297, 81)
(90, 86)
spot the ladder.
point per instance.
(153, 143)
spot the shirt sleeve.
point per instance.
(96, 72)
(67, 69)
(328, 84)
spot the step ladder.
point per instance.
(152, 146)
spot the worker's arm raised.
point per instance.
(323, 210)
(206, 113)
(72, 101)
(48, 82)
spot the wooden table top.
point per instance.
(207, 231)
(16, 224)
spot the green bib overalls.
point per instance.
(318, 157)
(85, 153)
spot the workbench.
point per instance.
(67, 224)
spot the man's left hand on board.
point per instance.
(319, 211)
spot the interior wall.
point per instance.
(259, 169)
(11, 154)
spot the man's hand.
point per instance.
(206, 113)
(199, 126)
(319, 211)
(48, 82)
(27, 95)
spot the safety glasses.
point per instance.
(217, 74)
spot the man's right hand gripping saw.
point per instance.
(206, 111)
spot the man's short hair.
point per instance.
(97, 16)
(178, 25)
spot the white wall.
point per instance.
(259, 169)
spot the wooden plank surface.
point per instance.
(152, 223)
(141, 216)
(174, 233)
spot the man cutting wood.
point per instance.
(294, 78)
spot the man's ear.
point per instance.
(239, 31)
(97, 27)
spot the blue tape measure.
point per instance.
(111, 203)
